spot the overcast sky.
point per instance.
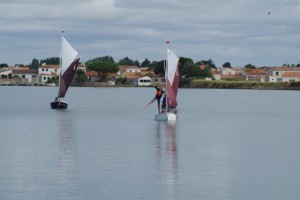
(260, 32)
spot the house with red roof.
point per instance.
(278, 72)
(29, 75)
(291, 76)
(257, 75)
(128, 71)
(92, 76)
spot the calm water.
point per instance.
(226, 144)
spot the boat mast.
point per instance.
(60, 60)
(166, 75)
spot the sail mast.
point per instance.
(60, 59)
(166, 76)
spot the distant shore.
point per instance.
(197, 83)
(244, 85)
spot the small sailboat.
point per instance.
(168, 110)
(69, 61)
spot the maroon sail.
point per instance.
(67, 77)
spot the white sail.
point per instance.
(172, 80)
(172, 64)
(68, 54)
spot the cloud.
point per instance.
(238, 31)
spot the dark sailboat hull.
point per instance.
(58, 105)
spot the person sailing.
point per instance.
(159, 94)
(157, 97)
(164, 104)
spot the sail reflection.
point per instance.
(166, 152)
(66, 149)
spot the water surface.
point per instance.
(226, 144)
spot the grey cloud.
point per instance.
(240, 31)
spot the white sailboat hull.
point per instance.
(166, 116)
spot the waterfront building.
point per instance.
(30, 75)
(46, 72)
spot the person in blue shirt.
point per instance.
(164, 104)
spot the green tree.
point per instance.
(191, 70)
(182, 62)
(250, 66)
(34, 64)
(103, 68)
(80, 75)
(227, 65)
(206, 72)
(121, 81)
(136, 63)
(101, 59)
(126, 61)
(153, 64)
(3, 65)
(146, 63)
(51, 61)
(159, 67)
(53, 79)
(208, 63)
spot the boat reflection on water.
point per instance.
(167, 159)
(66, 150)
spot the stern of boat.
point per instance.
(167, 116)
(58, 105)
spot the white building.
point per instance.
(127, 71)
(290, 76)
(5, 73)
(272, 79)
(227, 71)
(144, 81)
(46, 72)
(278, 72)
(132, 69)
(30, 75)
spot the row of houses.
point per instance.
(137, 76)
(31, 76)
(267, 74)
(143, 76)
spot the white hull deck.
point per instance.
(166, 116)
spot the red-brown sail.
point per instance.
(67, 77)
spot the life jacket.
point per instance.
(159, 93)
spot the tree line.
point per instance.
(188, 68)
(106, 64)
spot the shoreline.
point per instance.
(243, 85)
(196, 83)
